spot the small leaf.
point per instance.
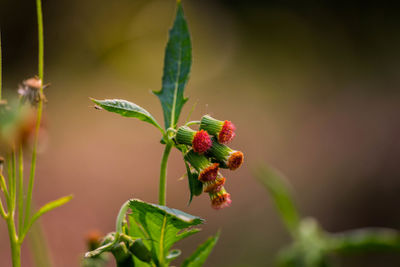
(127, 109)
(201, 254)
(195, 186)
(177, 64)
(279, 190)
(46, 208)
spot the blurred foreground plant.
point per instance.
(18, 123)
(147, 236)
(312, 246)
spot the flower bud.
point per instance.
(214, 185)
(200, 140)
(93, 239)
(29, 91)
(220, 199)
(223, 130)
(139, 249)
(208, 171)
(233, 159)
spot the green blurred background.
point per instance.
(312, 86)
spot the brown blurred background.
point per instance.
(313, 88)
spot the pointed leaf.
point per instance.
(201, 254)
(195, 186)
(279, 190)
(160, 227)
(46, 208)
(177, 63)
(127, 109)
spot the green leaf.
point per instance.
(127, 109)
(177, 63)
(46, 208)
(279, 190)
(195, 186)
(365, 240)
(160, 227)
(201, 254)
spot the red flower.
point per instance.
(201, 142)
(227, 132)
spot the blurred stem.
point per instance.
(20, 188)
(0, 67)
(14, 181)
(39, 112)
(3, 186)
(162, 196)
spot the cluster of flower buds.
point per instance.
(209, 153)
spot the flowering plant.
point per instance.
(145, 236)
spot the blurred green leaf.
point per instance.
(177, 64)
(195, 186)
(160, 227)
(127, 109)
(279, 190)
(365, 240)
(201, 254)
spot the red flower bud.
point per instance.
(200, 140)
(215, 185)
(223, 130)
(208, 171)
(220, 199)
(230, 158)
(227, 133)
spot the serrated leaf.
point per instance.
(195, 186)
(201, 254)
(279, 190)
(160, 227)
(127, 109)
(177, 64)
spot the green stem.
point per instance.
(0, 67)
(40, 40)
(39, 113)
(20, 189)
(13, 181)
(163, 175)
(192, 123)
(14, 243)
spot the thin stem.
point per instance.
(40, 40)
(2, 211)
(192, 123)
(39, 112)
(0, 67)
(20, 189)
(15, 245)
(163, 175)
(3, 186)
(14, 180)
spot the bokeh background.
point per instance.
(312, 86)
